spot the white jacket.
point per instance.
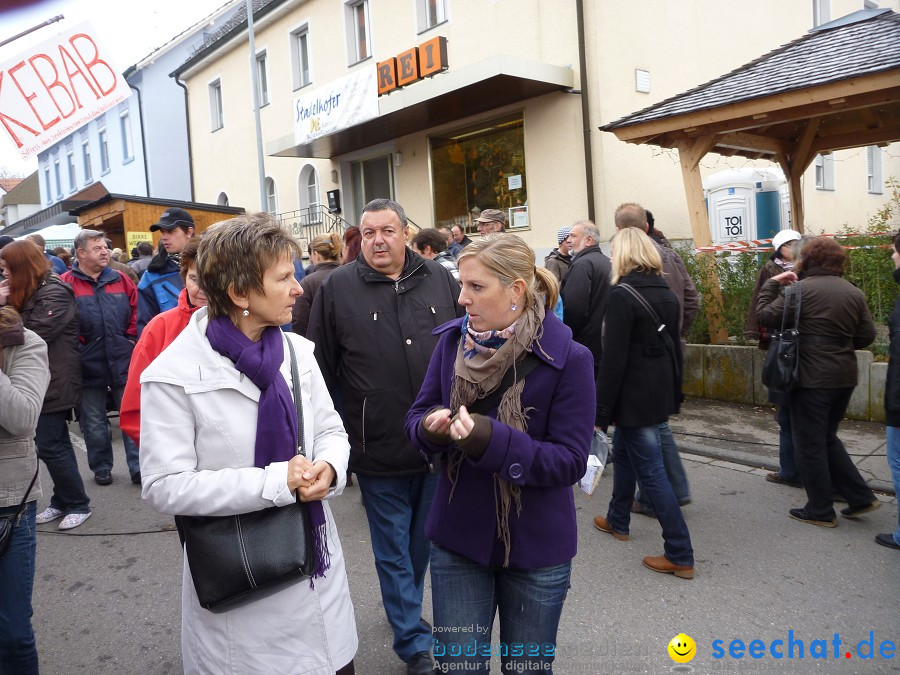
(198, 432)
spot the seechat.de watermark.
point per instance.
(793, 647)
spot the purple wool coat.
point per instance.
(545, 461)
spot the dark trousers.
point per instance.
(821, 457)
(54, 447)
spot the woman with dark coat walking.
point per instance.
(640, 386)
(325, 255)
(834, 321)
(47, 306)
(892, 402)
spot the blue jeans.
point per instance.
(95, 428)
(639, 458)
(18, 653)
(787, 462)
(673, 466)
(396, 508)
(55, 449)
(466, 596)
(893, 460)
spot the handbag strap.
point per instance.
(492, 400)
(791, 292)
(298, 398)
(660, 326)
(28, 491)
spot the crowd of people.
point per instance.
(431, 367)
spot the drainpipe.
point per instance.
(187, 123)
(585, 111)
(143, 138)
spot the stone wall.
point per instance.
(732, 373)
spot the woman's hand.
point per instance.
(462, 425)
(4, 291)
(437, 423)
(311, 480)
(785, 278)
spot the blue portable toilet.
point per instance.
(746, 204)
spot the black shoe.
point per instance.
(887, 540)
(136, 478)
(804, 517)
(857, 511)
(420, 664)
(103, 477)
(775, 477)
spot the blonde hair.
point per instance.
(508, 258)
(329, 246)
(633, 250)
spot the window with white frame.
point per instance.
(271, 197)
(70, 162)
(47, 183)
(216, 112)
(821, 12)
(104, 150)
(308, 189)
(358, 33)
(824, 172)
(431, 13)
(57, 174)
(125, 128)
(300, 70)
(86, 159)
(874, 181)
(262, 80)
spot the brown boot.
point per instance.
(660, 563)
(603, 525)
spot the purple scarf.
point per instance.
(276, 427)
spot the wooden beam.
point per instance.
(880, 88)
(689, 155)
(740, 140)
(801, 155)
(871, 117)
(796, 193)
(887, 134)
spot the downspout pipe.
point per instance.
(143, 138)
(187, 123)
(585, 112)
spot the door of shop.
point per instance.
(371, 179)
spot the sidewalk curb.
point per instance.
(749, 459)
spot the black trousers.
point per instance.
(821, 457)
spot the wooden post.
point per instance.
(689, 155)
(794, 163)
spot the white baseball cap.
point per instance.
(783, 237)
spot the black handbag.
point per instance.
(234, 559)
(8, 523)
(781, 370)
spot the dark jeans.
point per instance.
(55, 449)
(639, 458)
(396, 508)
(97, 436)
(466, 596)
(674, 468)
(821, 457)
(787, 463)
(18, 653)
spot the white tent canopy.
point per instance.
(59, 235)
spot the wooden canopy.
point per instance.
(836, 87)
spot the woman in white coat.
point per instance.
(217, 409)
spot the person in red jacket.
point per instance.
(157, 335)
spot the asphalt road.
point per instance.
(107, 595)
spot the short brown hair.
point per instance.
(28, 265)
(822, 253)
(188, 256)
(630, 214)
(430, 237)
(234, 254)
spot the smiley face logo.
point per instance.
(682, 648)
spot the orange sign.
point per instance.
(428, 59)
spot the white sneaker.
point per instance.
(48, 515)
(73, 520)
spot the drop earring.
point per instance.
(514, 307)
(246, 312)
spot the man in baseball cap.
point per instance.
(490, 221)
(161, 284)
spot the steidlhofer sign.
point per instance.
(344, 103)
(52, 89)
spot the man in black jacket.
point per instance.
(892, 401)
(586, 289)
(372, 323)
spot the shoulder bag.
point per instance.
(660, 327)
(234, 559)
(8, 523)
(781, 370)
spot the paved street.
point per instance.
(107, 597)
